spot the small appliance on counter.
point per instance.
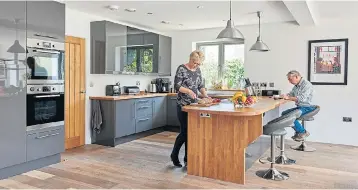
(270, 92)
(131, 90)
(163, 85)
(249, 88)
(113, 90)
(153, 87)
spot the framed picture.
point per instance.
(328, 62)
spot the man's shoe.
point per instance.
(301, 136)
(295, 136)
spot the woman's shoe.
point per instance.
(175, 161)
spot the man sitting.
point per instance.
(301, 94)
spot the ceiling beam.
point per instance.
(301, 11)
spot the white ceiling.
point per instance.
(184, 15)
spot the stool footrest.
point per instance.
(303, 147)
(273, 174)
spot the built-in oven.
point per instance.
(45, 105)
(45, 61)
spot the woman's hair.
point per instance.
(197, 55)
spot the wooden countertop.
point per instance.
(227, 108)
(126, 97)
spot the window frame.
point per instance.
(221, 59)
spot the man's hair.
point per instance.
(293, 73)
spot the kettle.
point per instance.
(153, 88)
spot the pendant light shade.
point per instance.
(230, 32)
(259, 44)
(16, 48)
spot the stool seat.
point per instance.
(279, 132)
(281, 122)
(309, 116)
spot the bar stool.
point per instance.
(274, 128)
(306, 117)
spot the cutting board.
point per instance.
(204, 105)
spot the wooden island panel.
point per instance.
(218, 137)
(216, 145)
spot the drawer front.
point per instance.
(144, 110)
(143, 124)
(45, 142)
(144, 107)
(144, 102)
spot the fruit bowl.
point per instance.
(241, 100)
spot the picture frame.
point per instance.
(328, 61)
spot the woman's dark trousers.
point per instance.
(182, 137)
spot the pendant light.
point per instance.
(259, 45)
(230, 32)
(16, 47)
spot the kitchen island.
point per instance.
(218, 136)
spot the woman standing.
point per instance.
(188, 81)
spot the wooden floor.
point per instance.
(145, 163)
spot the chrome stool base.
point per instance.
(273, 174)
(282, 159)
(303, 147)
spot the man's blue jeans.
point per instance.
(306, 109)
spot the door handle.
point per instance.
(83, 91)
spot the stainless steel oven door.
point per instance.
(45, 109)
(45, 66)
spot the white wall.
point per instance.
(289, 49)
(78, 25)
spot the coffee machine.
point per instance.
(162, 85)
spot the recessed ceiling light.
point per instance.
(200, 7)
(113, 7)
(165, 22)
(131, 10)
(149, 13)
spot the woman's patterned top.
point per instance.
(187, 79)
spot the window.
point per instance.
(223, 66)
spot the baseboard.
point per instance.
(29, 166)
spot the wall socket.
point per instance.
(263, 84)
(137, 83)
(347, 119)
(272, 84)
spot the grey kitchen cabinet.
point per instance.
(164, 56)
(172, 118)
(46, 20)
(43, 142)
(116, 38)
(120, 49)
(159, 112)
(108, 44)
(125, 118)
(13, 96)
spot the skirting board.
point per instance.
(29, 166)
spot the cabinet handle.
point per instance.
(173, 98)
(143, 119)
(47, 136)
(143, 107)
(143, 100)
(133, 108)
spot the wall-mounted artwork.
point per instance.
(328, 62)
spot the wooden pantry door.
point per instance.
(74, 92)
